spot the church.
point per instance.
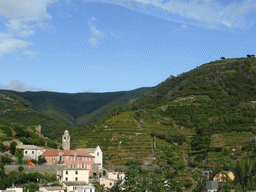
(85, 158)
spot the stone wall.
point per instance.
(37, 168)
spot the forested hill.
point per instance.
(206, 111)
(73, 109)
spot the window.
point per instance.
(78, 166)
(89, 159)
(32, 152)
(66, 179)
(76, 172)
(83, 159)
(98, 154)
(66, 172)
(26, 152)
(89, 166)
(90, 190)
(110, 184)
(70, 158)
(74, 188)
(54, 158)
(64, 138)
(67, 158)
(75, 158)
(76, 178)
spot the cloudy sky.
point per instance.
(114, 45)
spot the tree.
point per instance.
(41, 159)
(223, 58)
(1, 166)
(131, 179)
(6, 158)
(20, 168)
(13, 147)
(249, 56)
(19, 154)
(243, 170)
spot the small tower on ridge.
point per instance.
(66, 141)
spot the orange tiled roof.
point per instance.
(66, 153)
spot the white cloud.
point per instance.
(96, 32)
(20, 86)
(93, 41)
(21, 16)
(10, 45)
(29, 10)
(197, 12)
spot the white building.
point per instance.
(51, 189)
(73, 174)
(31, 151)
(86, 188)
(116, 175)
(96, 152)
(16, 189)
(78, 186)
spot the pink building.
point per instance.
(70, 158)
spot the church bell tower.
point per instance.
(66, 141)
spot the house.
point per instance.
(206, 174)
(51, 189)
(86, 188)
(111, 179)
(212, 186)
(73, 174)
(221, 177)
(78, 186)
(96, 152)
(70, 158)
(16, 189)
(31, 151)
(116, 175)
(107, 182)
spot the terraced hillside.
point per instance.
(120, 137)
(202, 115)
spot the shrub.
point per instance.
(13, 147)
(20, 168)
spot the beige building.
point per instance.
(111, 179)
(224, 176)
(31, 151)
(51, 189)
(73, 174)
(107, 182)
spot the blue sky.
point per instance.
(76, 46)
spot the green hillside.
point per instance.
(200, 119)
(19, 113)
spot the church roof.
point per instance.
(88, 150)
(56, 152)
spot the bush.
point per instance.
(20, 168)
(13, 147)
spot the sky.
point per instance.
(74, 46)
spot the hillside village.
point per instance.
(73, 167)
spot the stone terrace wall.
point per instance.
(37, 168)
